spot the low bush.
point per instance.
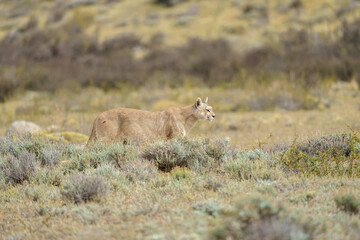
(335, 143)
(81, 188)
(175, 153)
(7, 147)
(219, 149)
(255, 217)
(334, 155)
(348, 203)
(50, 156)
(101, 153)
(16, 145)
(108, 171)
(18, 169)
(52, 176)
(186, 153)
(33, 145)
(47, 152)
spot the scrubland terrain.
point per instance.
(280, 161)
(199, 188)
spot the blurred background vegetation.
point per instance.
(248, 55)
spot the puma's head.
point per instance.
(203, 110)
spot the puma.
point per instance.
(126, 124)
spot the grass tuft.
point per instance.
(255, 217)
(19, 169)
(348, 203)
(180, 173)
(187, 153)
(50, 157)
(81, 188)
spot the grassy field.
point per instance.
(183, 189)
(240, 177)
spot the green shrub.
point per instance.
(16, 145)
(218, 149)
(52, 176)
(33, 145)
(175, 153)
(334, 155)
(187, 153)
(50, 156)
(16, 170)
(348, 203)
(81, 188)
(7, 146)
(108, 171)
(255, 217)
(334, 144)
(100, 153)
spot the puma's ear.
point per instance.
(198, 102)
(206, 99)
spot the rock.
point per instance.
(20, 128)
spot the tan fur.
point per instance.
(126, 124)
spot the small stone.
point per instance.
(21, 128)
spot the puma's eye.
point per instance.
(208, 110)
